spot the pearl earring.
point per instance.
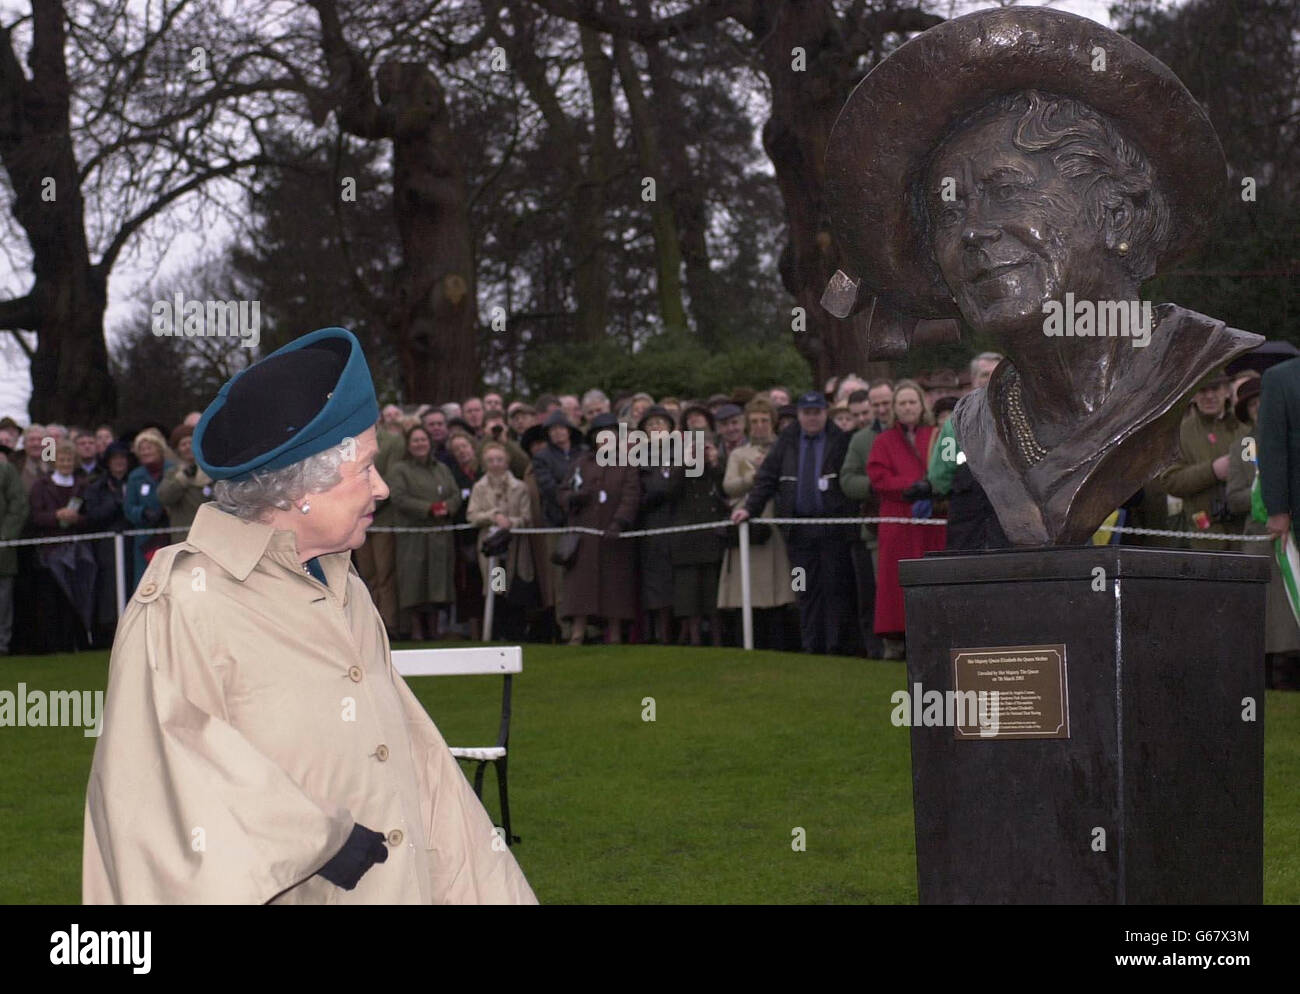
(1122, 248)
(305, 507)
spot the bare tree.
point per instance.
(811, 55)
(433, 316)
(116, 121)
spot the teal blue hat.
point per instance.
(298, 401)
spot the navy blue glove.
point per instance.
(923, 509)
(919, 490)
(363, 850)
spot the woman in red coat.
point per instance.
(898, 459)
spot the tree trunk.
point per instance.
(71, 382)
(591, 274)
(433, 319)
(668, 249)
(434, 316)
(65, 307)
(805, 104)
(690, 214)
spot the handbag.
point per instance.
(496, 544)
(566, 549)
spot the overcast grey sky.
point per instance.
(128, 278)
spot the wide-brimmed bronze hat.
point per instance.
(894, 119)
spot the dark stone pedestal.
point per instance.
(1159, 757)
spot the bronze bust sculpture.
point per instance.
(1028, 170)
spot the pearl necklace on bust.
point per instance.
(1030, 450)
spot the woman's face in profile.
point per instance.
(339, 517)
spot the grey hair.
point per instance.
(994, 357)
(1086, 146)
(259, 495)
(594, 396)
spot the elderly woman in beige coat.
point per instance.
(770, 588)
(258, 745)
(499, 500)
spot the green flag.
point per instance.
(1257, 509)
(1284, 550)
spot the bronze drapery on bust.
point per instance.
(1027, 170)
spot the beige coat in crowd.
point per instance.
(508, 496)
(253, 716)
(769, 565)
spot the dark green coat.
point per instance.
(13, 515)
(854, 480)
(182, 495)
(1277, 437)
(696, 500)
(392, 447)
(425, 563)
(1201, 440)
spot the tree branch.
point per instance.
(13, 85)
(867, 30)
(452, 51)
(350, 83)
(584, 12)
(105, 264)
(496, 171)
(20, 314)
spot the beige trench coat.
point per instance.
(253, 716)
(512, 501)
(769, 564)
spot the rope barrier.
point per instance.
(646, 532)
(119, 548)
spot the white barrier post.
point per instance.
(119, 567)
(746, 608)
(489, 602)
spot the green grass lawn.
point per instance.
(697, 806)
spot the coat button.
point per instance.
(148, 588)
(355, 673)
(395, 837)
(382, 753)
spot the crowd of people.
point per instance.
(761, 453)
(857, 448)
